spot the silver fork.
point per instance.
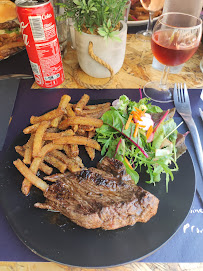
(182, 104)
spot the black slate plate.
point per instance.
(56, 238)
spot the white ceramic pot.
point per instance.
(110, 51)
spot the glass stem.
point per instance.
(164, 78)
(150, 22)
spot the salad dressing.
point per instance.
(146, 121)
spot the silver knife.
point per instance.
(201, 113)
(16, 76)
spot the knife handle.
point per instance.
(196, 139)
(198, 147)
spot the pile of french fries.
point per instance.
(137, 11)
(55, 137)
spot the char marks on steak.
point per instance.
(103, 197)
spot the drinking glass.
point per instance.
(152, 6)
(61, 26)
(175, 38)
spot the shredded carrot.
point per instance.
(149, 131)
(126, 160)
(138, 110)
(136, 129)
(136, 115)
(142, 126)
(128, 122)
(141, 112)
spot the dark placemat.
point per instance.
(8, 92)
(187, 243)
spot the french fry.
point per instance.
(91, 134)
(74, 150)
(52, 130)
(29, 175)
(44, 206)
(89, 112)
(96, 106)
(65, 99)
(31, 129)
(28, 150)
(37, 144)
(55, 122)
(86, 128)
(89, 150)
(51, 136)
(79, 140)
(80, 120)
(71, 150)
(26, 184)
(81, 103)
(60, 155)
(71, 164)
(48, 116)
(81, 132)
(67, 150)
(43, 167)
(50, 147)
(92, 111)
(79, 162)
(98, 114)
(20, 150)
(55, 162)
(71, 113)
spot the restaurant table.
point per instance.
(184, 247)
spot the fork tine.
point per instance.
(175, 94)
(186, 93)
(182, 96)
(183, 92)
(179, 93)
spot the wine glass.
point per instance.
(152, 6)
(175, 38)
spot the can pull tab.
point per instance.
(20, 2)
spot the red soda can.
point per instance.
(39, 32)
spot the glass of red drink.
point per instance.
(175, 38)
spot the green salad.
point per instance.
(140, 135)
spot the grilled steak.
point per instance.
(103, 197)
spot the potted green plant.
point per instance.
(99, 22)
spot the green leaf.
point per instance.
(158, 139)
(109, 23)
(134, 175)
(77, 2)
(112, 147)
(169, 126)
